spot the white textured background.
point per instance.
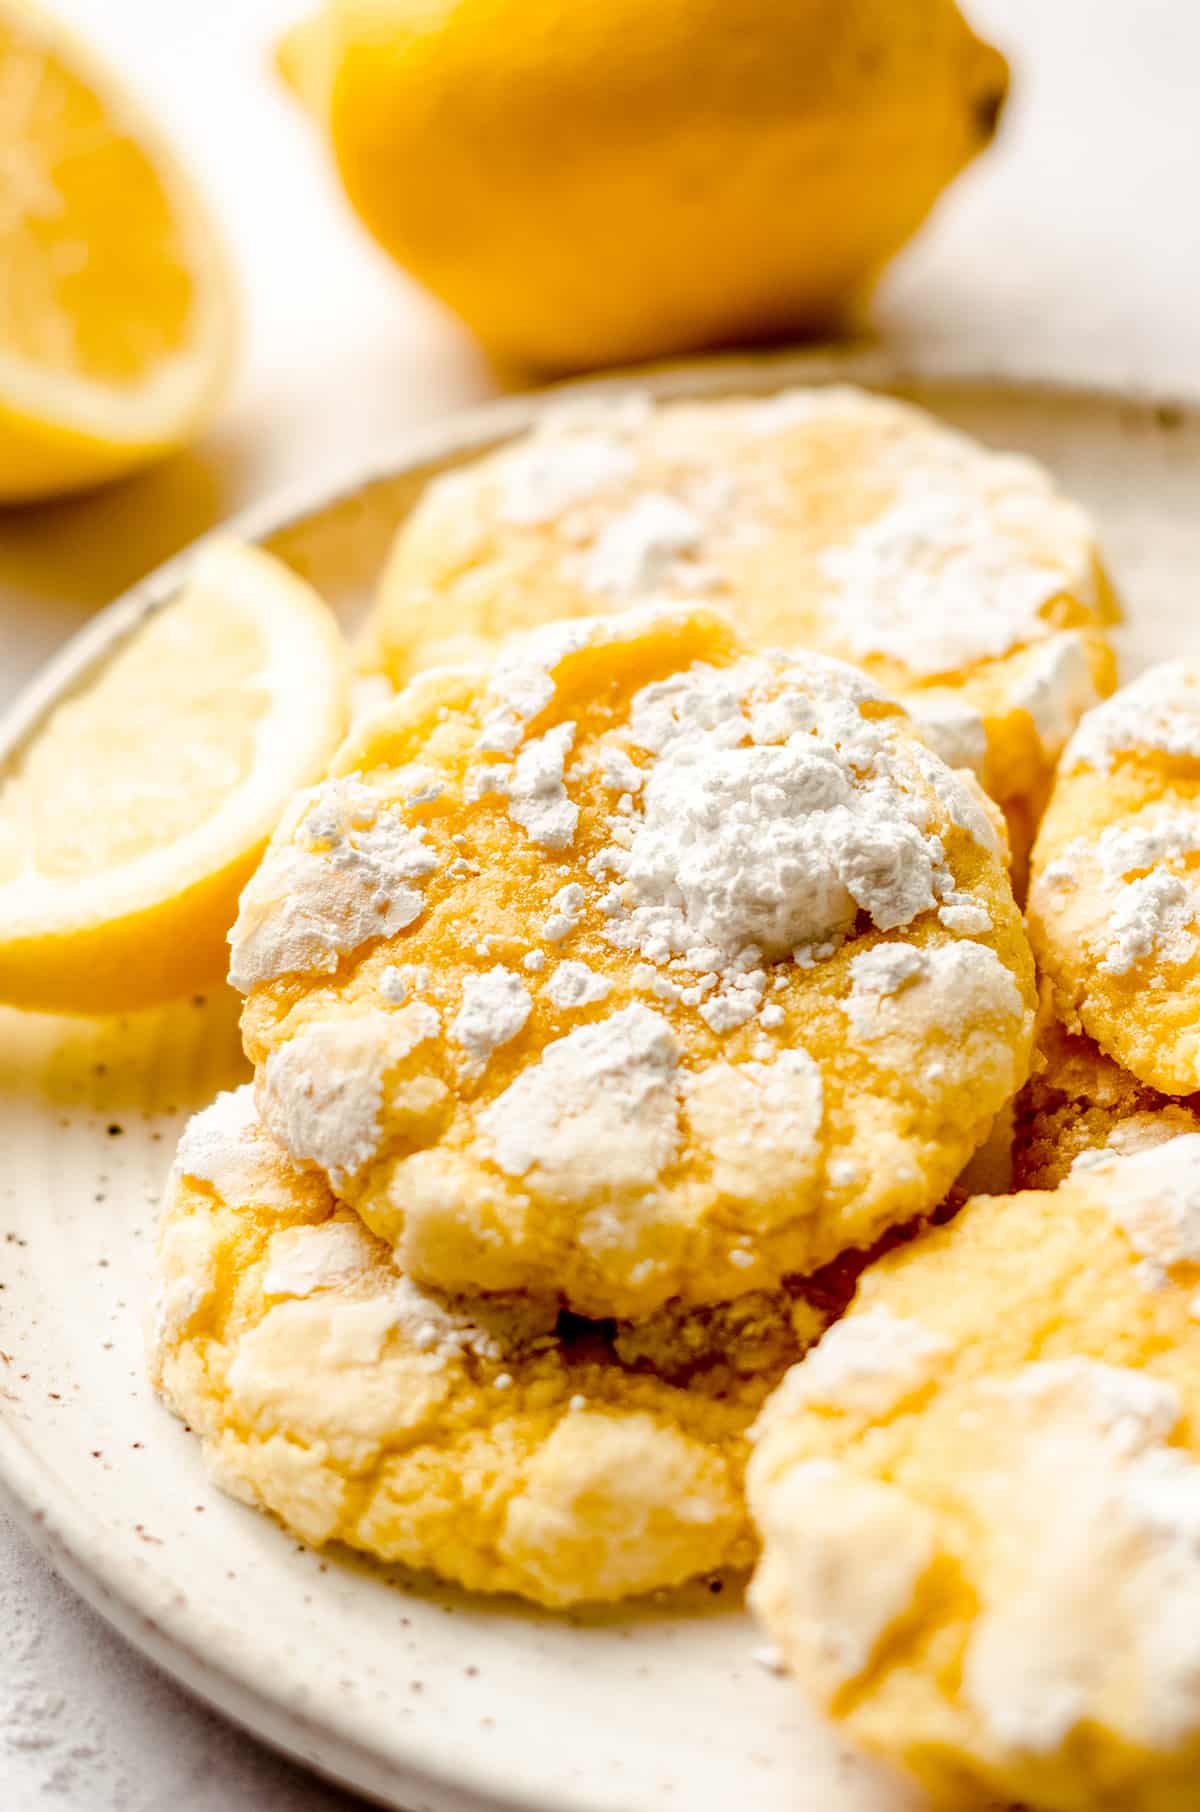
(1072, 250)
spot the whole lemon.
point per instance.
(587, 182)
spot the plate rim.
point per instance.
(112, 1578)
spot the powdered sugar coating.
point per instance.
(321, 1093)
(226, 1149)
(1088, 1440)
(843, 1560)
(1137, 874)
(869, 1363)
(1114, 898)
(543, 480)
(1154, 916)
(533, 786)
(302, 1260)
(954, 561)
(1052, 1444)
(1149, 840)
(1158, 714)
(575, 985)
(350, 872)
(763, 829)
(953, 729)
(627, 1097)
(1056, 687)
(953, 571)
(566, 907)
(879, 973)
(1153, 908)
(495, 1006)
(521, 684)
(965, 916)
(963, 800)
(222, 1146)
(828, 519)
(637, 553)
(598, 1111)
(1154, 1196)
(471, 1436)
(761, 1121)
(950, 988)
(1135, 1133)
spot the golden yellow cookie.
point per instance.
(1078, 1101)
(1114, 900)
(636, 968)
(979, 1499)
(481, 1440)
(962, 580)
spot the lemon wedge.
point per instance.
(116, 311)
(132, 821)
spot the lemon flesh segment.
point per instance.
(116, 313)
(133, 820)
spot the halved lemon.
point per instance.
(139, 811)
(116, 311)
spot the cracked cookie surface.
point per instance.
(636, 967)
(1114, 898)
(961, 579)
(494, 1443)
(979, 1498)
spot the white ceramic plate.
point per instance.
(425, 1699)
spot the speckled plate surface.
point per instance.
(424, 1699)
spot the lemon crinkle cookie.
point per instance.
(979, 1498)
(1114, 904)
(961, 579)
(640, 968)
(487, 1441)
